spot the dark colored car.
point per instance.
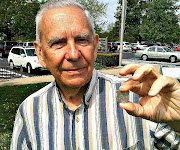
(148, 43)
(5, 47)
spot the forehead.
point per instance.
(62, 19)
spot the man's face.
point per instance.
(68, 47)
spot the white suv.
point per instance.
(126, 46)
(24, 58)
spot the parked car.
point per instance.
(26, 44)
(138, 46)
(178, 48)
(5, 47)
(112, 47)
(148, 43)
(126, 46)
(25, 58)
(158, 52)
(134, 46)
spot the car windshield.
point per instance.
(31, 52)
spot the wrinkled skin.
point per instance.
(159, 95)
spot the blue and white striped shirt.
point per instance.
(44, 121)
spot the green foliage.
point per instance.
(160, 22)
(17, 19)
(11, 97)
(149, 20)
(109, 33)
(97, 10)
(98, 66)
(108, 59)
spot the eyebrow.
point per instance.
(54, 39)
(83, 35)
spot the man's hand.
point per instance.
(159, 96)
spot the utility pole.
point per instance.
(121, 33)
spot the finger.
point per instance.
(128, 69)
(144, 71)
(133, 109)
(161, 83)
(130, 85)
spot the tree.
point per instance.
(97, 10)
(149, 20)
(134, 15)
(160, 22)
(108, 33)
(17, 19)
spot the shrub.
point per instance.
(108, 59)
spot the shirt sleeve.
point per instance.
(164, 137)
(18, 140)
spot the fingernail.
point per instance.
(152, 93)
(135, 76)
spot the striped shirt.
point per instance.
(44, 121)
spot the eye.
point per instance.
(58, 44)
(82, 41)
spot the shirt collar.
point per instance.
(91, 87)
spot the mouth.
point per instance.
(75, 71)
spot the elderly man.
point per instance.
(79, 110)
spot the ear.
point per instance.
(40, 54)
(96, 42)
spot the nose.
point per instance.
(72, 53)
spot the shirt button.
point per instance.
(77, 119)
(78, 148)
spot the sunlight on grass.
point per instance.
(11, 97)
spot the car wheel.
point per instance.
(29, 69)
(21, 69)
(144, 57)
(172, 59)
(11, 65)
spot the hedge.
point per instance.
(108, 59)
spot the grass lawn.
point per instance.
(11, 97)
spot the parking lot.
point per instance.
(6, 72)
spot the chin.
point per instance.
(77, 83)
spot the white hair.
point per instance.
(55, 4)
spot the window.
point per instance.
(22, 51)
(151, 49)
(159, 49)
(16, 51)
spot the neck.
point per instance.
(73, 96)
